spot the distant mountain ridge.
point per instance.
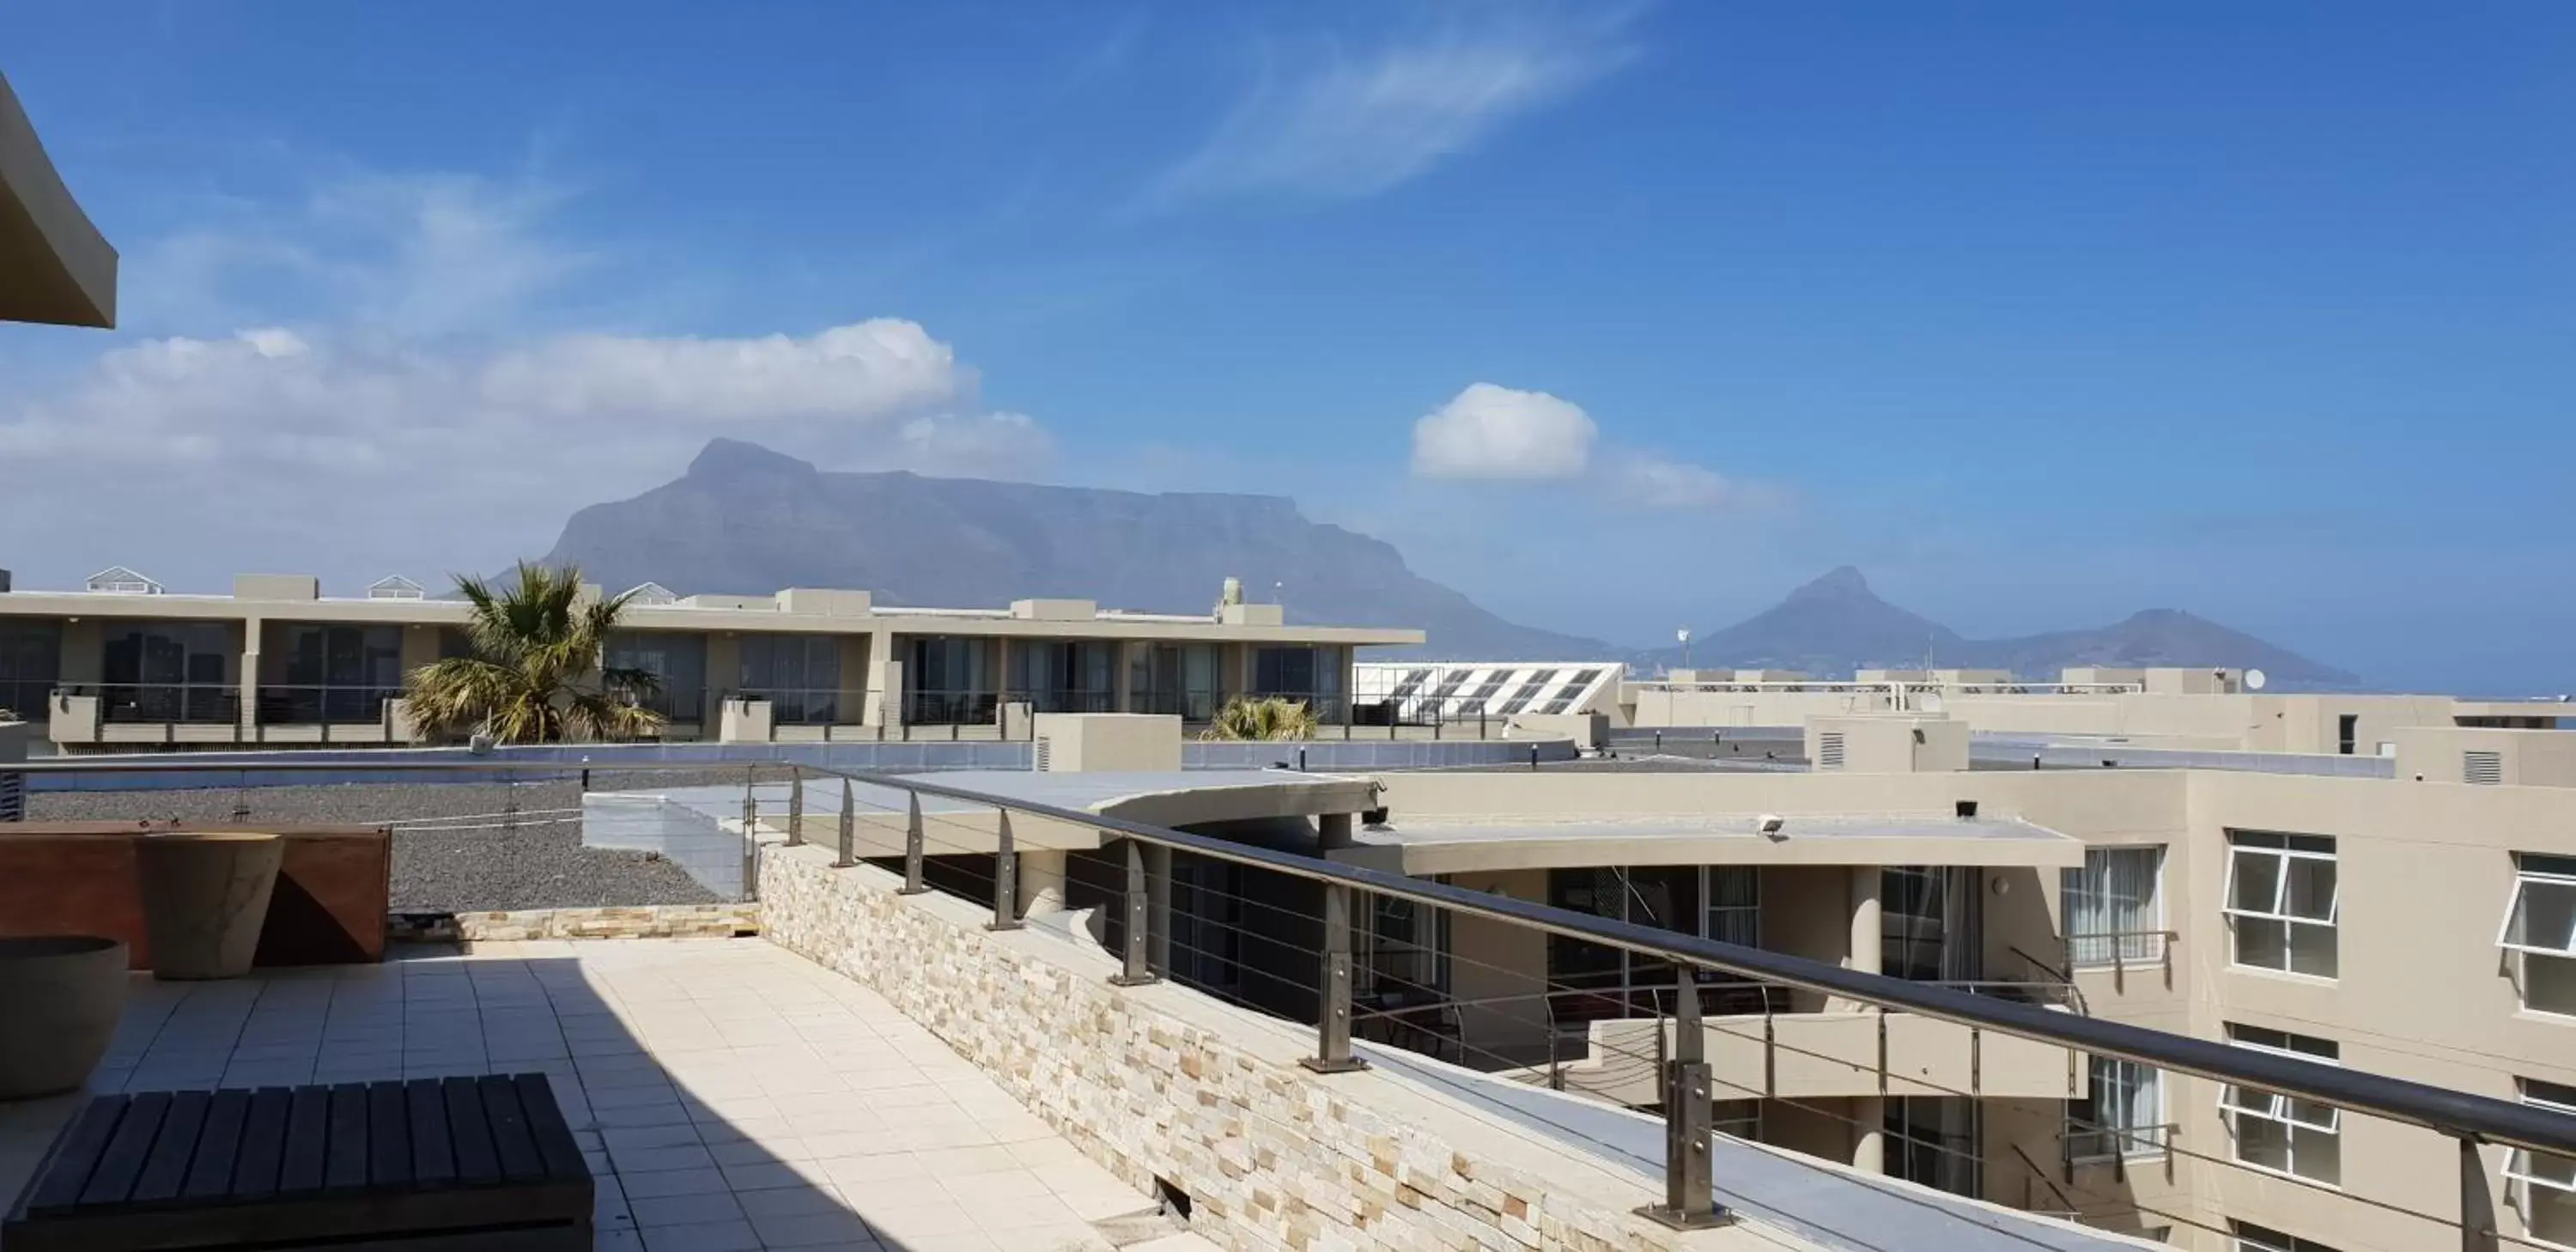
(1836, 624)
(747, 520)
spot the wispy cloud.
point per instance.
(1345, 123)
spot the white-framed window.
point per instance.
(2253, 1238)
(2283, 1133)
(2540, 932)
(2281, 901)
(2122, 1113)
(2543, 1187)
(2112, 911)
(1731, 904)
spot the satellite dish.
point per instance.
(1682, 635)
(2254, 680)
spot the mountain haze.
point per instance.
(1836, 624)
(746, 520)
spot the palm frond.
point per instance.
(1269, 718)
(536, 675)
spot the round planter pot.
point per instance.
(205, 896)
(64, 994)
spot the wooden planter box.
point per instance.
(78, 878)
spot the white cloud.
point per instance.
(418, 416)
(865, 371)
(1488, 431)
(1348, 126)
(1494, 433)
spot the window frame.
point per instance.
(1709, 908)
(2151, 947)
(2270, 1240)
(2279, 1108)
(2282, 849)
(2553, 873)
(2138, 1141)
(2520, 1177)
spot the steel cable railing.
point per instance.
(2470, 1120)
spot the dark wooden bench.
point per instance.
(436, 1165)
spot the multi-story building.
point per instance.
(2421, 926)
(127, 663)
(2212, 709)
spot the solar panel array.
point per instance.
(1426, 692)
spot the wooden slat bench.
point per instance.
(434, 1165)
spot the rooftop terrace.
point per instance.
(729, 1095)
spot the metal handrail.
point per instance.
(2455, 1113)
(2474, 1119)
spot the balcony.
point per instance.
(145, 714)
(1833, 1053)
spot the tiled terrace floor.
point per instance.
(729, 1095)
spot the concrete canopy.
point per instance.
(54, 265)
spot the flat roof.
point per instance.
(759, 613)
(1160, 797)
(1436, 844)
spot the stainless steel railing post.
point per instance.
(1333, 1001)
(2477, 1204)
(913, 838)
(1689, 1115)
(1137, 969)
(1006, 875)
(796, 810)
(750, 840)
(846, 855)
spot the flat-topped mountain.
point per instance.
(746, 520)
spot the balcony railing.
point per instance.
(300, 705)
(1313, 956)
(806, 706)
(193, 704)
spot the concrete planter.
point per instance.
(64, 994)
(205, 897)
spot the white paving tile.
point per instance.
(731, 1096)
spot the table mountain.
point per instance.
(746, 520)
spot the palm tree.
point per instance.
(1267, 718)
(536, 674)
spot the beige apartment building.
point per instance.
(2422, 926)
(125, 663)
(2208, 709)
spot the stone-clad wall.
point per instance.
(1271, 1155)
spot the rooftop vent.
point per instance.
(1829, 749)
(649, 593)
(118, 580)
(2483, 768)
(395, 587)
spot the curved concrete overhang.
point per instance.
(1173, 798)
(54, 265)
(1469, 845)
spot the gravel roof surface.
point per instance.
(477, 846)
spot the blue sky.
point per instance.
(1617, 318)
